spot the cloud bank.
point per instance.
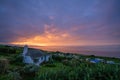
(63, 22)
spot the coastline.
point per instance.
(112, 51)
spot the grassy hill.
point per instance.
(60, 67)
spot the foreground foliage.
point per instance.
(60, 67)
(84, 71)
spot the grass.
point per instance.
(58, 68)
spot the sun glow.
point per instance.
(46, 40)
(51, 37)
(28, 43)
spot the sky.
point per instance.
(60, 22)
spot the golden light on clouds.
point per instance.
(51, 37)
(46, 40)
(54, 36)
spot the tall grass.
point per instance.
(84, 71)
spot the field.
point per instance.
(60, 67)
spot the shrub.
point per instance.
(50, 65)
(16, 59)
(66, 62)
(29, 70)
(13, 75)
(58, 58)
(3, 65)
(72, 62)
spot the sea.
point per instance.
(106, 51)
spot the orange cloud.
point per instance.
(52, 36)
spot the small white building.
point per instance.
(34, 56)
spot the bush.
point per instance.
(29, 70)
(50, 65)
(6, 50)
(13, 75)
(17, 59)
(72, 62)
(3, 65)
(58, 58)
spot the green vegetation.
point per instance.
(60, 67)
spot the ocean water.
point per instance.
(108, 51)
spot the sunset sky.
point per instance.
(60, 22)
